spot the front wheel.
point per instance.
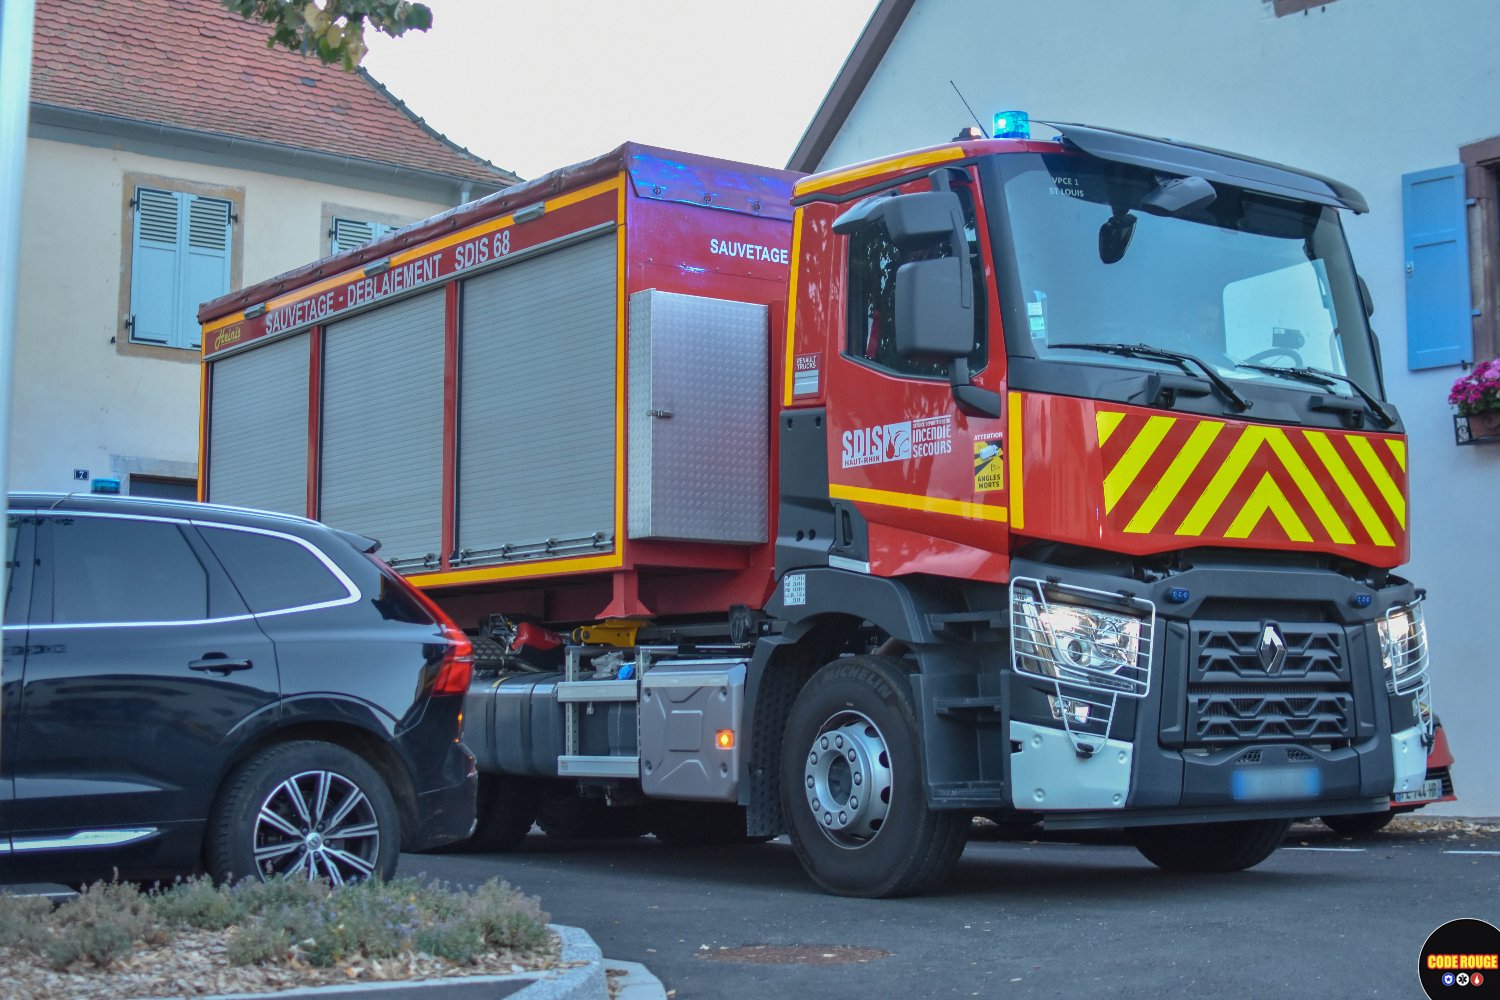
(306, 810)
(1359, 824)
(1210, 847)
(852, 785)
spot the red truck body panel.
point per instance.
(684, 224)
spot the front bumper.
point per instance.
(1222, 733)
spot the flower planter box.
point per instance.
(1477, 428)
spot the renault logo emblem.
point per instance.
(1272, 650)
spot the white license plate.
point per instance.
(1260, 783)
(1431, 789)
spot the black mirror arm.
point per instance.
(942, 180)
(972, 399)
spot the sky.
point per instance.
(535, 86)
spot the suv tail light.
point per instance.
(457, 668)
(458, 663)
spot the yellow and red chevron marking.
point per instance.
(1212, 479)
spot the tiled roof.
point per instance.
(194, 65)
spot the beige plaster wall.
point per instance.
(85, 399)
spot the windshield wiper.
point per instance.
(1329, 379)
(1179, 358)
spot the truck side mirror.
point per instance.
(935, 318)
(1364, 296)
(909, 218)
(930, 315)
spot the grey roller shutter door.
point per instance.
(536, 433)
(257, 447)
(382, 463)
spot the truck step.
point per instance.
(596, 690)
(585, 766)
(985, 708)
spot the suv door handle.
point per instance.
(218, 663)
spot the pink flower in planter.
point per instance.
(1478, 391)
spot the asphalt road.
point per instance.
(1325, 917)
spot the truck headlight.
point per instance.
(1403, 647)
(1093, 647)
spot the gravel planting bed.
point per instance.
(194, 939)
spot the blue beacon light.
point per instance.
(1012, 125)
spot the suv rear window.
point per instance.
(273, 574)
(116, 570)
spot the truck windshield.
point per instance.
(1247, 283)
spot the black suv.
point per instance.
(193, 687)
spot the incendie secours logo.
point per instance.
(1461, 958)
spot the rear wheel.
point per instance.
(1210, 847)
(506, 809)
(852, 785)
(698, 824)
(305, 810)
(1359, 824)
(563, 814)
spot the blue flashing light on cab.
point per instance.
(1012, 125)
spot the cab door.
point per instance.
(917, 481)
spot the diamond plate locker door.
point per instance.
(699, 392)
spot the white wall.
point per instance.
(1361, 90)
(80, 403)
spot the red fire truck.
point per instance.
(1041, 478)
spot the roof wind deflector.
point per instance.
(1215, 165)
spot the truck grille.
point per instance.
(1239, 692)
(1240, 715)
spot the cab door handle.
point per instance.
(218, 663)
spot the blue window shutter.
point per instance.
(205, 265)
(1439, 328)
(153, 267)
(179, 259)
(350, 233)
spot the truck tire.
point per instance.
(506, 809)
(563, 814)
(1359, 824)
(698, 824)
(307, 809)
(1210, 847)
(852, 784)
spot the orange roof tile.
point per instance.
(192, 64)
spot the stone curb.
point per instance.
(634, 981)
(584, 981)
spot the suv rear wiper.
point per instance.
(1329, 379)
(1179, 358)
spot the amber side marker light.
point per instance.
(724, 739)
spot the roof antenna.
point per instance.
(966, 132)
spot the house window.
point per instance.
(179, 259)
(874, 259)
(1481, 163)
(347, 234)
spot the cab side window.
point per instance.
(874, 259)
